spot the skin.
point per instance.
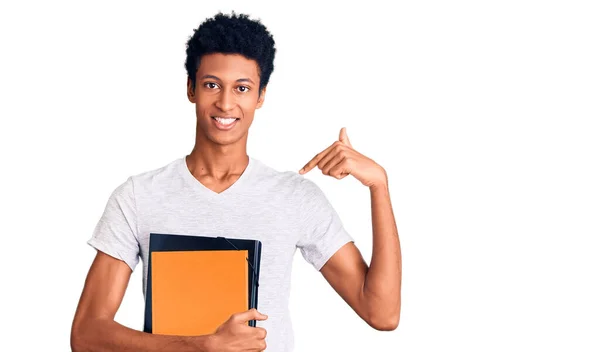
(372, 291)
(228, 85)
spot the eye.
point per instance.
(210, 85)
(243, 89)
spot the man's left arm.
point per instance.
(372, 292)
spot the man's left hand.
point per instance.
(341, 159)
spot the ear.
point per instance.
(190, 91)
(261, 99)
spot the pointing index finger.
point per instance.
(314, 161)
(311, 164)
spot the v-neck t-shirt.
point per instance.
(282, 209)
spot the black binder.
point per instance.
(173, 242)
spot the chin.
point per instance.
(224, 140)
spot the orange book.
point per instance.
(193, 292)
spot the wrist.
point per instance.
(206, 343)
(380, 187)
(381, 183)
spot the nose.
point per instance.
(226, 101)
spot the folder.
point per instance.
(195, 283)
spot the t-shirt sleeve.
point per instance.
(322, 230)
(116, 231)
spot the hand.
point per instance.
(235, 335)
(341, 160)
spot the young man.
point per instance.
(218, 189)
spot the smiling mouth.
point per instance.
(225, 120)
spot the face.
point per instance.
(226, 96)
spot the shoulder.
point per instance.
(150, 180)
(159, 174)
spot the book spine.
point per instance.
(254, 299)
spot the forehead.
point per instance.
(228, 67)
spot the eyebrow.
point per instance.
(218, 79)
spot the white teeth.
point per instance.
(225, 121)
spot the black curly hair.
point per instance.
(234, 34)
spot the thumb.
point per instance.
(344, 137)
(251, 314)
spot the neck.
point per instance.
(217, 161)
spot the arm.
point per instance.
(94, 328)
(373, 292)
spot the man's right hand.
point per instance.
(235, 335)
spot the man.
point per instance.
(218, 189)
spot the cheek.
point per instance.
(203, 104)
(249, 106)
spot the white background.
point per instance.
(485, 115)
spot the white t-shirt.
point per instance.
(284, 210)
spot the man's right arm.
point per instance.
(94, 328)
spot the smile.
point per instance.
(224, 123)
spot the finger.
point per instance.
(251, 314)
(338, 158)
(260, 333)
(341, 170)
(261, 346)
(314, 161)
(333, 152)
(344, 137)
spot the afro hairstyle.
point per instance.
(232, 34)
